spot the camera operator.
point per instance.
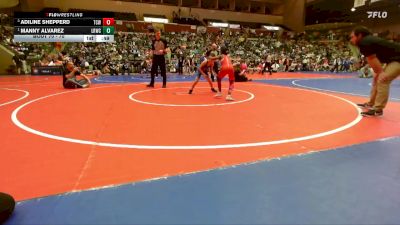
(72, 77)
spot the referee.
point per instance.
(159, 49)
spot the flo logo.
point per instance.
(377, 14)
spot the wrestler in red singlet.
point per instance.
(226, 69)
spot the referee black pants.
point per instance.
(158, 61)
(267, 65)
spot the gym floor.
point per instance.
(291, 149)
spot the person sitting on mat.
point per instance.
(240, 72)
(72, 77)
(203, 69)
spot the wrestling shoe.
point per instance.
(229, 98)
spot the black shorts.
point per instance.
(74, 83)
(216, 67)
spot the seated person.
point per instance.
(59, 61)
(240, 73)
(275, 67)
(105, 70)
(96, 72)
(113, 69)
(365, 72)
(259, 68)
(72, 77)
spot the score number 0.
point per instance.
(108, 21)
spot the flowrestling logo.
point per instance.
(377, 14)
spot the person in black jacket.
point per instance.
(378, 51)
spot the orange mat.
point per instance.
(34, 166)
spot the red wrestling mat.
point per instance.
(10, 95)
(287, 75)
(115, 134)
(26, 79)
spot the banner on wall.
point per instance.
(47, 70)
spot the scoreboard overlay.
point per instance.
(63, 27)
